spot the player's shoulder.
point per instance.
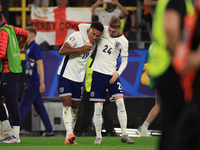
(75, 35)
(117, 11)
(122, 39)
(34, 44)
(36, 47)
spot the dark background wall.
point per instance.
(137, 110)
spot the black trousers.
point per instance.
(187, 129)
(171, 93)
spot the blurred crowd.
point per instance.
(115, 8)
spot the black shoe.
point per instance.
(111, 133)
(46, 134)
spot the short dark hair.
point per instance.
(31, 29)
(97, 25)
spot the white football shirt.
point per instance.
(73, 66)
(105, 16)
(108, 50)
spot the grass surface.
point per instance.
(85, 143)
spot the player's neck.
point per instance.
(30, 41)
(118, 34)
(109, 9)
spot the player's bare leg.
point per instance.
(67, 119)
(143, 130)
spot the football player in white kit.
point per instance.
(71, 74)
(105, 75)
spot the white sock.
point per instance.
(67, 119)
(98, 118)
(121, 113)
(6, 110)
(145, 125)
(16, 131)
(74, 117)
(6, 126)
(1, 126)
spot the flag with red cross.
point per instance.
(54, 25)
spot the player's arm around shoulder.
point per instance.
(69, 47)
(83, 28)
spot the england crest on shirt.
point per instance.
(117, 45)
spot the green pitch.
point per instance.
(85, 143)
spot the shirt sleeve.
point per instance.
(124, 48)
(21, 32)
(73, 39)
(37, 53)
(118, 12)
(3, 43)
(123, 65)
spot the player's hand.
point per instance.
(21, 46)
(145, 79)
(42, 88)
(88, 44)
(146, 67)
(29, 6)
(86, 48)
(115, 75)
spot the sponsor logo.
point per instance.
(16, 54)
(104, 37)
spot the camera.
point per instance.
(107, 1)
